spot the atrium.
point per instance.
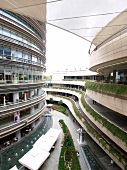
(97, 96)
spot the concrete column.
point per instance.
(39, 105)
(31, 93)
(18, 135)
(114, 76)
(33, 125)
(24, 96)
(15, 97)
(32, 110)
(39, 91)
(35, 91)
(4, 101)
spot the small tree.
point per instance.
(60, 102)
(51, 100)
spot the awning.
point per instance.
(53, 132)
(34, 158)
(49, 105)
(14, 168)
(45, 143)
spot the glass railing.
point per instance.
(19, 103)
(23, 120)
(17, 22)
(21, 60)
(7, 38)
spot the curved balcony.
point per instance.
(108, 147)
(12, 61)
(24, 104)
(20, 85)
(111, 55)
(105, 144)
(25, 121)
(20, 26)
(116, 104)
(98, 122)
(17, 42)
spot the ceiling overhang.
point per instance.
(31, 8)
(114, 27)
(83, 18)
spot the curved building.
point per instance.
(22, 63)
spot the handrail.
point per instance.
(23, 120)
(14, 105)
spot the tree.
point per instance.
(60, 102)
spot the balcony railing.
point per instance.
(12, 106)
(29, 118)
(20, 60)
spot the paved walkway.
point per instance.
(52, 162)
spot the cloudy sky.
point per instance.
(65, 51)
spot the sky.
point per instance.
(65, 51)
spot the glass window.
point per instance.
(19, 37)
(7, 52)
(1, 50)
(13, 35)
(14, 53)
(1, 30)
(34, 59)
(20, 55)
(6, 32)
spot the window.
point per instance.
(7, 52)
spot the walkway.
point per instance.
(53, 160)
(111, 115)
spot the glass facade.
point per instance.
(22, 62)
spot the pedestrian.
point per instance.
(77, 153)
(112, 162)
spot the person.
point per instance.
(77, 153)
(112, 162)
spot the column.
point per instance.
(31, 93)
(35, 91)
(33, 125)
(18, 135)
(39, 91)
(109, 78)
(4, 101)
(15, 97)
(24, 96)
(114, 76)
(32, 110)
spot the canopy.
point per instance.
(34, 158)
(53, 132)
(49, 105)
(14, 168)
(34, 9)
(84, 18)
(45, 142)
